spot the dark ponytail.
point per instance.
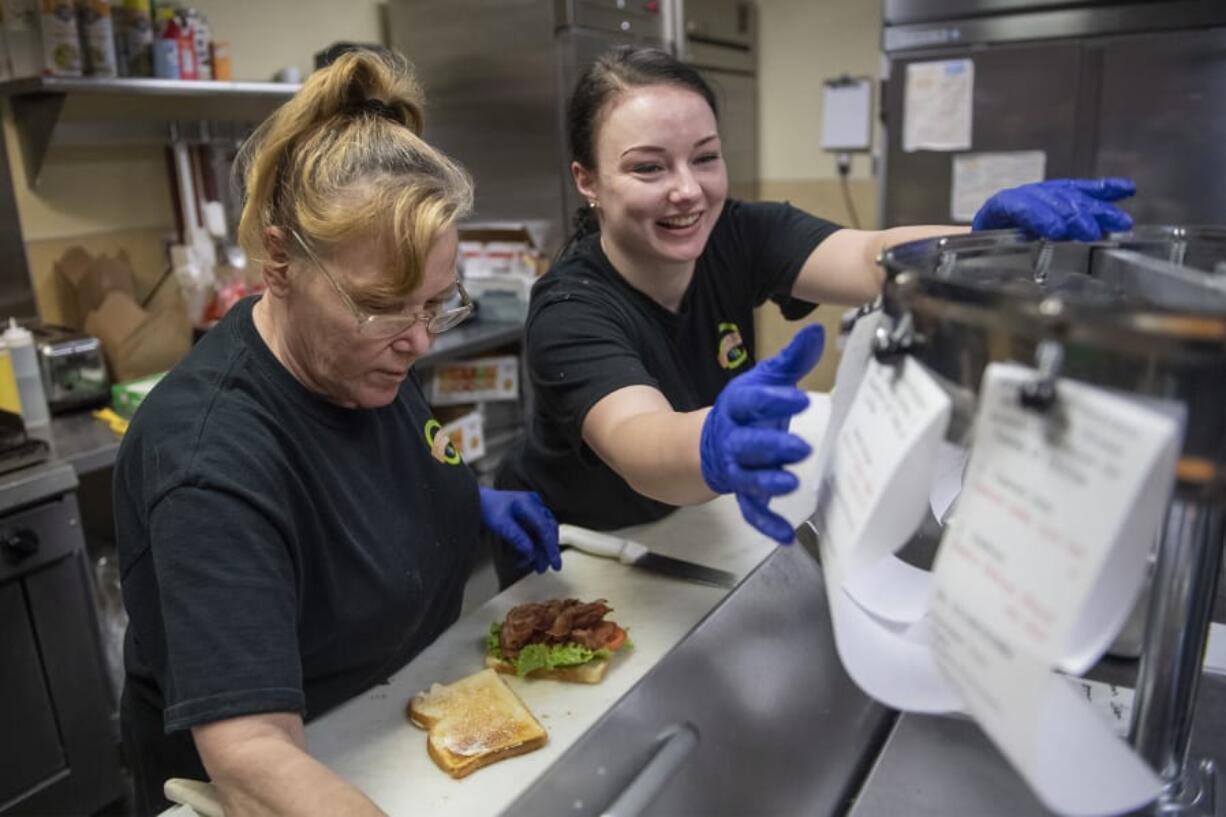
(582, 224)
(612, 74)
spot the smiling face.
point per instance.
(328, 354)
(660, 181)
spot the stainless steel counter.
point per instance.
(751, 714)
(946, 767)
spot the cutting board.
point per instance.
(370, 742)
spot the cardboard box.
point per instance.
(500, 261)
(475, 380)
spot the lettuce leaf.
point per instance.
(542, 656)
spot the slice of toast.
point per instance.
(591, 672)
(473, 722)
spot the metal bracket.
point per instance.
(1040, 393)
(891, 344)
(1192, 794)
(1042, 262)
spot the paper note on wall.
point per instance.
(847, 115)
(938, 105)
(1038, 569)
(976, 176)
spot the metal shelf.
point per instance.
(147, 86)
(471, 338)
(133, 110)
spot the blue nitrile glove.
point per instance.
(1060, 210)
(745, 442)
(521, 519)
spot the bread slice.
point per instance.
(591, 672)
(473, 722)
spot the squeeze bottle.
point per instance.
(9, 398)
(25, 366)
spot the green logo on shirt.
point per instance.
(732, 351)
(441, 446)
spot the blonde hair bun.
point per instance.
(344, 160)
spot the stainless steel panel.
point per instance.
(941, 766)
(1025, 98)
(1063, 23)
(918, 11)
(618, 17)
(61, 605)
(737, 95)
(751, 714)
(25, 706)
(577, 48)
(1184, 588)
(54, 529)
(723, 22)
(492, 87)
(1161, 122)
(497, 75)
(720, 34)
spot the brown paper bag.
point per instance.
(135, 342)
(83, 282)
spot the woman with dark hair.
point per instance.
(292, 527)
(640, 339)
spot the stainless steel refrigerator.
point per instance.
(497, 74)
(1098, 88)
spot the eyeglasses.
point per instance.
(437, 320)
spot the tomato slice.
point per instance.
(617, 639)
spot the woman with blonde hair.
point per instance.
(292, 527)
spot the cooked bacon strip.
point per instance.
(557, 621)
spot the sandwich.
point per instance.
(562, 639)
(473, 722)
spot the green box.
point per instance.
(125, 397)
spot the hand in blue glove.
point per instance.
(521, 519)
(745, 443)
(1060, 210)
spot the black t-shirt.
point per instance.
(590, 333)
(279, 553)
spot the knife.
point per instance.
(636, 555)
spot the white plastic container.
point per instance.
(25, 368)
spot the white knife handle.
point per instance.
(197, 795)
(600, 544)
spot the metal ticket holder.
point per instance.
(1142, 313)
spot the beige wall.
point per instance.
(103, 198)
(802, 43)
(267, 35)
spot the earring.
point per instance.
(592, 204)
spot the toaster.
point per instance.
(72, 367)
